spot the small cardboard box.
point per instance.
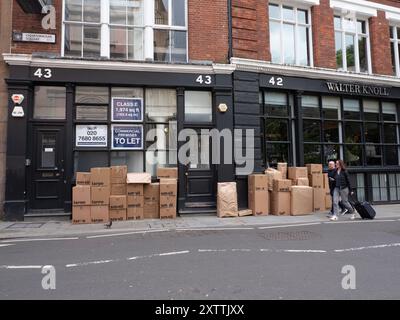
(135, 190)
(280, 203)
(135, 213)
(282, 185)
(138, 178)
(283, 168)
(118, 174)
(316, 180)
(151, 210)
(297, 172)
(245, 212)
(167, 173)
(319, 199)
(100, 196)
(118, 189)
(257, 182)
(168, 213)
(272, 174)
(100, 214)
(81, 214)
(135, 201)
(227, 204)
(151, 192)
(168, 187)
(81, 196)
(301, 200)
(328, 200)
(83, 178)
(118, 202)
(314, 168)
(100, 177)
(167, 202)
(118, 215)
(302, 182)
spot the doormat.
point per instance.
(25, 225)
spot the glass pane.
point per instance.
(339, 50)
(49, 103)
(117, 12)
(351, 65)
(126, 92)
(178, 46)
(310, 106)
(371, 110)
(352, 132)
(391, 155)
(95, 95)
(161, 12)
(361, 26)
(373, 155)
(349, 25)
(276, 130)
(91, 41)
(288, 14)
(48, 159)
(390, 132)
(376, 196)
(73, 10)
(157, 158)
(312, 153)
(73, 40)
(198, 106)
(118, 43)
(302, 46)
(353, 155)
(389, 111)
(338, 23)
(393, 55)
(135, 44)
(331, 152)
(372, 133)
(274, 11)
(160, 105)
(178, 13)
(134, 160)
(161, 45)
(161, 136)
(91, 10)
(362, 53)
(360, 187)
(312, 131)
(276, 104)
(275, 41)
(331, 131)
(302, 16)
(135, 12)
(288, 43)
(391, 32)
(383, 185)
(392, 187)
(398, 33)
(351, 109)
(330, 107)
(277, 152)
(99, 113)
(85, 160)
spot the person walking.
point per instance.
(331, 179)
(341, 190)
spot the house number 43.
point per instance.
(43, 73)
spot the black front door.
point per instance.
(47, 185)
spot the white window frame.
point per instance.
(356, 34)
(296, 24)
(396, 43)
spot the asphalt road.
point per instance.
(301, 262)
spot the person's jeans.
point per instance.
(341, 194)
(341, 206)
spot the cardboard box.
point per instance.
(118, 202)
(316, 180)
(257, 182)
(258, 194)
(83, 178)
(297, 172)
(118, 174)
(326, 181)
(281, 185)
(328, 200)
(118, 215)
(319, 199)
(134, 213)
(272, 175)
(81, 196)
(81, 214)
(168, 213)
(168, 187)
(151, 192)
(138, 178)
(100, 177)
(283, 168)
(135, 201)
(135, 190)
(100, 214)
(302, 182)
(280, 203)
(301, 200)
(314, 168)
(227, 205)
(245, 212)
(100, 196)
(167, 173)
(151, 210)
(118, 189)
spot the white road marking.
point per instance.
(358, 221)
(369, 247)
(212, 250)
(171, 253)
(6, 245)
(88, 263)
(241, 250)
(214, 229)
(290, 225)
(302, 251)
(124, 234)
(44, 239)
(20, 267)
(266, 250)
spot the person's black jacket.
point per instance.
(331, 178)
(343, 179)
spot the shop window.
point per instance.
(373, 154)
(49, 103)
(331, 131)
(277, 130)
(372, 132)
(394, 186)
(132, 159)
(85, 160)
(276, 104)
(160, 105)
(352, 132)
(389, 111)
(312, 153)
(92, 95)
(312, 130)
(391, 155)
(353, 155)
(379, 187)
(390, 133)
(198, 106)
(360, 187)
(331, 107)
(310, 105)
(331, 152)
(289, 35)
(277, 152)
(351, 109)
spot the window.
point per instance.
(170, 31)
(352, 44)
(198, 106)
(49, 103)
(353, 150)
(395, 49)
(289, 35)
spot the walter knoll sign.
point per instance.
(351, 88)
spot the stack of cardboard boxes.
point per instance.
(168, 192)
(136, 182)
(316, 179)
(81, 203)
(328, 197)
(301, 202)
(100, 180)
(118, 201)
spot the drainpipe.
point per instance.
(230, 52)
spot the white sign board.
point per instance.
(34, 37)
(94, 136)
(18, 112)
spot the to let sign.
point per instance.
(127, 137)
(91, 136)
(127, 109)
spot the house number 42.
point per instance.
(43, 73)
(276, 81)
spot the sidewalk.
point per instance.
(11, 230)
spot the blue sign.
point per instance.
(127, 109)
(127, 137)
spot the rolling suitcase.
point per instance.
(364, 209)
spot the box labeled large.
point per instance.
(118, 174)
(81, 214)
(100, 214)
(319, 199)
(301, 200)
(83, 178)
(100, 196)
(316, 180)
(118, 202)
(282, 185)
(297, 172)
(81, 196)
(314, 168)
(118, 189)
(118, 215)
(167, 173)
(100, 177)
(280, 203)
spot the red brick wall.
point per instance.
(208, 30)
(323, 35)
(24, 22)
(393, 3)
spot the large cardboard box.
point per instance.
(118, 215)
(81, 196)
(328, 200)
(168, 187)
(151, 210)
(280, 203)
(100, 177)
(319, 199)
(167, 173)
(168, 207)
(297, 172)
(326, 181)
(118, 189)
(118, 174)
(301, 200)
(135, 212)
(227, 205)
(135, 201)
(118, 202)
(81, 214)
(258, 194)
(282, 185)
(83, 178)
(314, 168)
(100, 214)
(272, 174)
(100, 196)
(138, 178)
(283, 168)
(316, 180)
(135, 190)
(301, 182)
(151, 192)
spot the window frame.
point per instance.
(396, 42)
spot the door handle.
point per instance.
(57, 174)
(186, 174)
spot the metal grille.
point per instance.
(25, 225)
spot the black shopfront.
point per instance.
(68, 125)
